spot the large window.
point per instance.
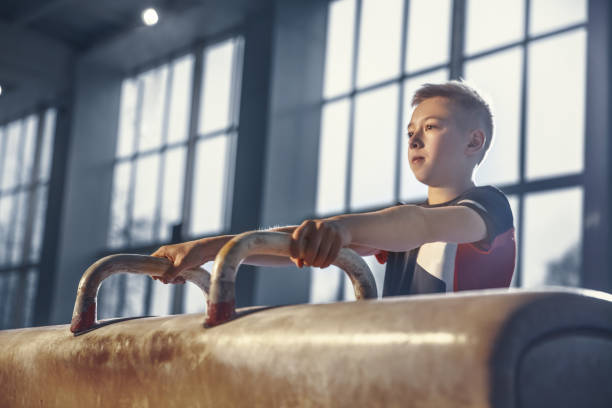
(26, 147)
(173, 168)
(528, 58)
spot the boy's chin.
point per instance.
(422, 178)
(428, 180)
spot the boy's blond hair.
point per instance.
(465, 97)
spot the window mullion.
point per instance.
(230, 162)
(458, 38)
(30, 207)
(11, 237)
(122, 279)
(198, 74)
(133, 160)
(400, 101)
(163, 153)
(3, 145)
(523, 147)
(13, 304)
(351, 127)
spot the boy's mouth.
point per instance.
(417, 159)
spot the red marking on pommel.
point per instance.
(219, 312)
(84, 320)
(382, 256)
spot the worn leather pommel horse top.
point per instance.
(491, 348)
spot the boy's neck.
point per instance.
(439, 195)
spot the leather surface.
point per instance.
(420, 351)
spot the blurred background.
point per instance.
(129, 124)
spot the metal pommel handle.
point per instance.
(221, 301)
(84, 316)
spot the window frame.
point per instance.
(181, 231)
(21, 304)
(455, 65)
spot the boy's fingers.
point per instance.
(298, 262)
(311, 248)
(161, 252)
(171, 273)
(323, 251)
(332, 254)
(293, 248)
(302, 235)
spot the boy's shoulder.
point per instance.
(486, 194)
(488, 191)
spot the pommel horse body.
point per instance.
(491, 348)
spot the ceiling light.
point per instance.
(0, 89)
(150, 17)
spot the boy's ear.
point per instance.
(476, 142)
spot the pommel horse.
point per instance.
(490, 348)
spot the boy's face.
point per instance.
(437, 141)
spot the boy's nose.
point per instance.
(415, 143)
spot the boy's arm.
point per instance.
(191, 254)
(271, 260)
(401, 228)
(398, 228)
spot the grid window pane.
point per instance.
(379, 41)
(108, 296)
(22, 210)
(31, 285)
(6, 226)
(340, 47)
(12, 156)
(19, 227)
(194, 300)
(556, 92)
(161, 298)
(2, 147)
(180, 99)
(8, 287)
(40, 203)
(134, 295)
(118, 231)
(493, 23)
(324, 284)
(29, 145)
(46, 154)
(217, 87)
(514, 206)
(498, 76)
(428, 41)
(154, 83)
(330, 284)
(172, 199)
(552, 239)
(410, 188)
(548, 15)
(145, 198)
(127, 117)
(373, 167)
(210, 185)
(333, 149)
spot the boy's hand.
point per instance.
(318, 242)
(185, 255)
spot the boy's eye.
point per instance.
(410, 134)
(429, 127)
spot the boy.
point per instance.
(461, 238)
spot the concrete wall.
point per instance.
(88, 182)
(36, 71)
(292, 152)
